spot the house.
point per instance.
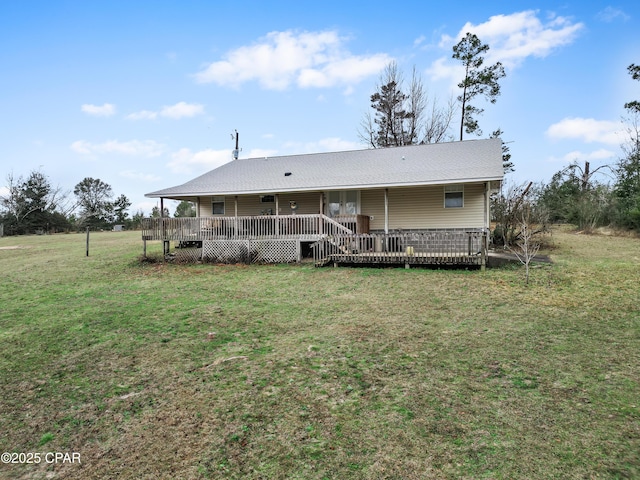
(406, 205)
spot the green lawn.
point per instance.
(153, 370)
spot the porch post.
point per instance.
(235, 214)
(487, 214)
(386, 210)
(277, 197)
(166, 245)
(486, 205)
(320, 221)
(197, 206)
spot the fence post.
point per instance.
(87, 241)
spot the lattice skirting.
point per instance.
(274, 251)
(251, 251)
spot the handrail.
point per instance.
(302, 227)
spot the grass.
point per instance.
(153, 370)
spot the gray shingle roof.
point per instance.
(439, 163)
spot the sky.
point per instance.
(145, 95)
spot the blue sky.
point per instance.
(145, 94)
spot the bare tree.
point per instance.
(437, 125)
(526, 247)
(399, 117)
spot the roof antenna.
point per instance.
(236, 151)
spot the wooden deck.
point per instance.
(417, 248)
(280, 238)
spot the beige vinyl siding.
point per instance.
(372, 204)
(423, 207)
(308, 202)
(409, 207)
(206, 207)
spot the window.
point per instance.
(267, 198)
(453, 196)
(217, 205)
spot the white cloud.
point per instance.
(511, 38)
(580, 157)
(609, 14)
(186, 161)
(331, 144)
(280, 59)
(177, 111)
(4, 191)
(588, 130)
(145, 148)
(143, 115)
(105, 110)
(143, 177)
(181, 110)
(259, 153)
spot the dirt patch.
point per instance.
(497, 259)
(12, 247)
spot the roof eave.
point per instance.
(324, 188)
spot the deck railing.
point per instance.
(301, 227)
(428, 247)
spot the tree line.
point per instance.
(401, 113)
(578, 194)
(34, 205)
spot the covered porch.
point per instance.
(252, 239)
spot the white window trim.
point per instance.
(458, 188)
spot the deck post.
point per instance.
(277, 214)
(386, 210)
(144, 248)
(386, 220)
(320, 223)
(235, 213)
